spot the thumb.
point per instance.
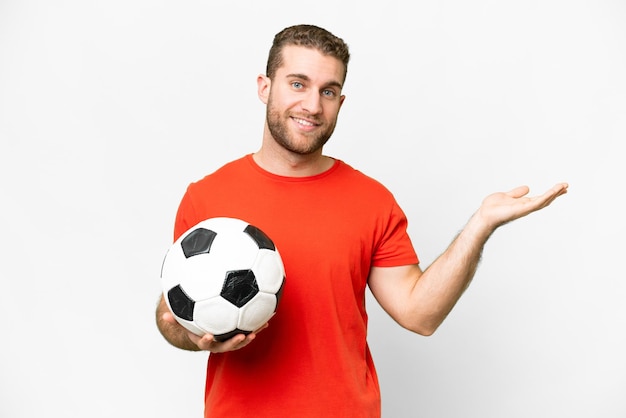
(519, 191)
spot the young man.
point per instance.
(338, 231)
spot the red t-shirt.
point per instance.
(313, 359)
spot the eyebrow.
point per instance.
(306, 78)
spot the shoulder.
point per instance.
(358, 178)
(229, 167)
(232, 169)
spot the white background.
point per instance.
(109, 109)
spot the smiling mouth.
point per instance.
(304, 122)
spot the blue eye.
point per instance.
(328, 93)
(297, 85)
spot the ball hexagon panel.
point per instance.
(268, 267)
(216, 315)
(257, 312)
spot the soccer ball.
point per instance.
(223, 276)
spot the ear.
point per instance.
(263, 87)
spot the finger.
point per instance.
(208, 342)
(234, 343)
(561, 188)
(518, 191)
(241, 340)
(556, 191)
(540, 202)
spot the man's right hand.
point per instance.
(181, 337)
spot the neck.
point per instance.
(277, 160)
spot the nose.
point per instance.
(312, 103)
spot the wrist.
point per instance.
(480, 226)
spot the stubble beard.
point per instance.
(277, 125)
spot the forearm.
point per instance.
(171, 330)
(444, 281)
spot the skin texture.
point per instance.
(303, 101)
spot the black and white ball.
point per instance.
(224, 277)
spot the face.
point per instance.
(303, 99)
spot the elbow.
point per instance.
(423, 328)
(425, 331)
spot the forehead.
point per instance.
(311, 63)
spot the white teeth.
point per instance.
(304, 122)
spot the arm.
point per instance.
(420, 301)
(180, 337)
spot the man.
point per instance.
(338, 231)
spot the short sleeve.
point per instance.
(395, 247)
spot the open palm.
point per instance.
(502, 207)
